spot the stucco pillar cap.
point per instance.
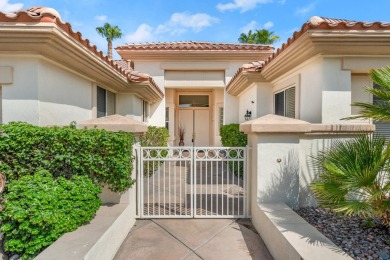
(275, 124)
(115, 123)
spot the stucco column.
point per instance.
(280, 163)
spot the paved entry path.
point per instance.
(193, 239)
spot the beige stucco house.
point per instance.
(50, 75)
(316, 74)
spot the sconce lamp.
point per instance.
(248, 115)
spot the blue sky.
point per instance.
(201, 20)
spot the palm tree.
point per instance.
(259, 37)
(379, 110)
(354, 177)
(110, 33)
(265, 37)
(247, 38)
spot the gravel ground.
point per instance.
(350, 234)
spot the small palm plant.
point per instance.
(379, 110)
(354, 177)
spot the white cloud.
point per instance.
(250, 26)
(253, 25)
(306, 9)
(142, 34)
(281, 2)
(101, 18)
(243, 5)
(180, 22)
(268, 25)
(9, 8)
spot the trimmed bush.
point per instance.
(154, 137)
(232, 137)
(104, 156)
(39, 209)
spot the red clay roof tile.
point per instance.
(314, 23)
(44, 14)
(192, 45)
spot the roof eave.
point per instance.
(243, 81)
(326, 42)
(182, 55)
(147, 90)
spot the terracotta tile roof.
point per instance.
(49, 15)
(135, 75)
(314, 23)
(193, 46)
(323, 23)
(253, 66)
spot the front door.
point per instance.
(196, 123)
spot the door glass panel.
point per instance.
(193, 101)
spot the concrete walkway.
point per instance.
(193, 239)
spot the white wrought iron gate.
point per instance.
(192, 182)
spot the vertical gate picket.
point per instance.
(207, 194)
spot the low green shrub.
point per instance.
(154, 137)
(232, 137)
(106, 157)
(39, 209)
(353, 177)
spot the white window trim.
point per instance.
(294, 81)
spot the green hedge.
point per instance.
(154, 137)
(39, 209)
(104, 156)
(232, 137)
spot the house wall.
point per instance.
(218, 104)
(44, 92)
(63, 96)
(258, 99)
(129, 105)
(282, 167)
(157, 111)
(326, 87)
(20, 99)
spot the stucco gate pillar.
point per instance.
(280, 166)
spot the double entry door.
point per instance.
(196, 124)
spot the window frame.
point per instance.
(107, 93)
(285, 96)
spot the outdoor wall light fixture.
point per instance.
(248, 115)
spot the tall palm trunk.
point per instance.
(109, 51)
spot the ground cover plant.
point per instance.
(38, 209)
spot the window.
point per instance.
(145, 111)
(186, 101)
(167, 118)
(220, 117)
(285, 103)
(105, 102)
